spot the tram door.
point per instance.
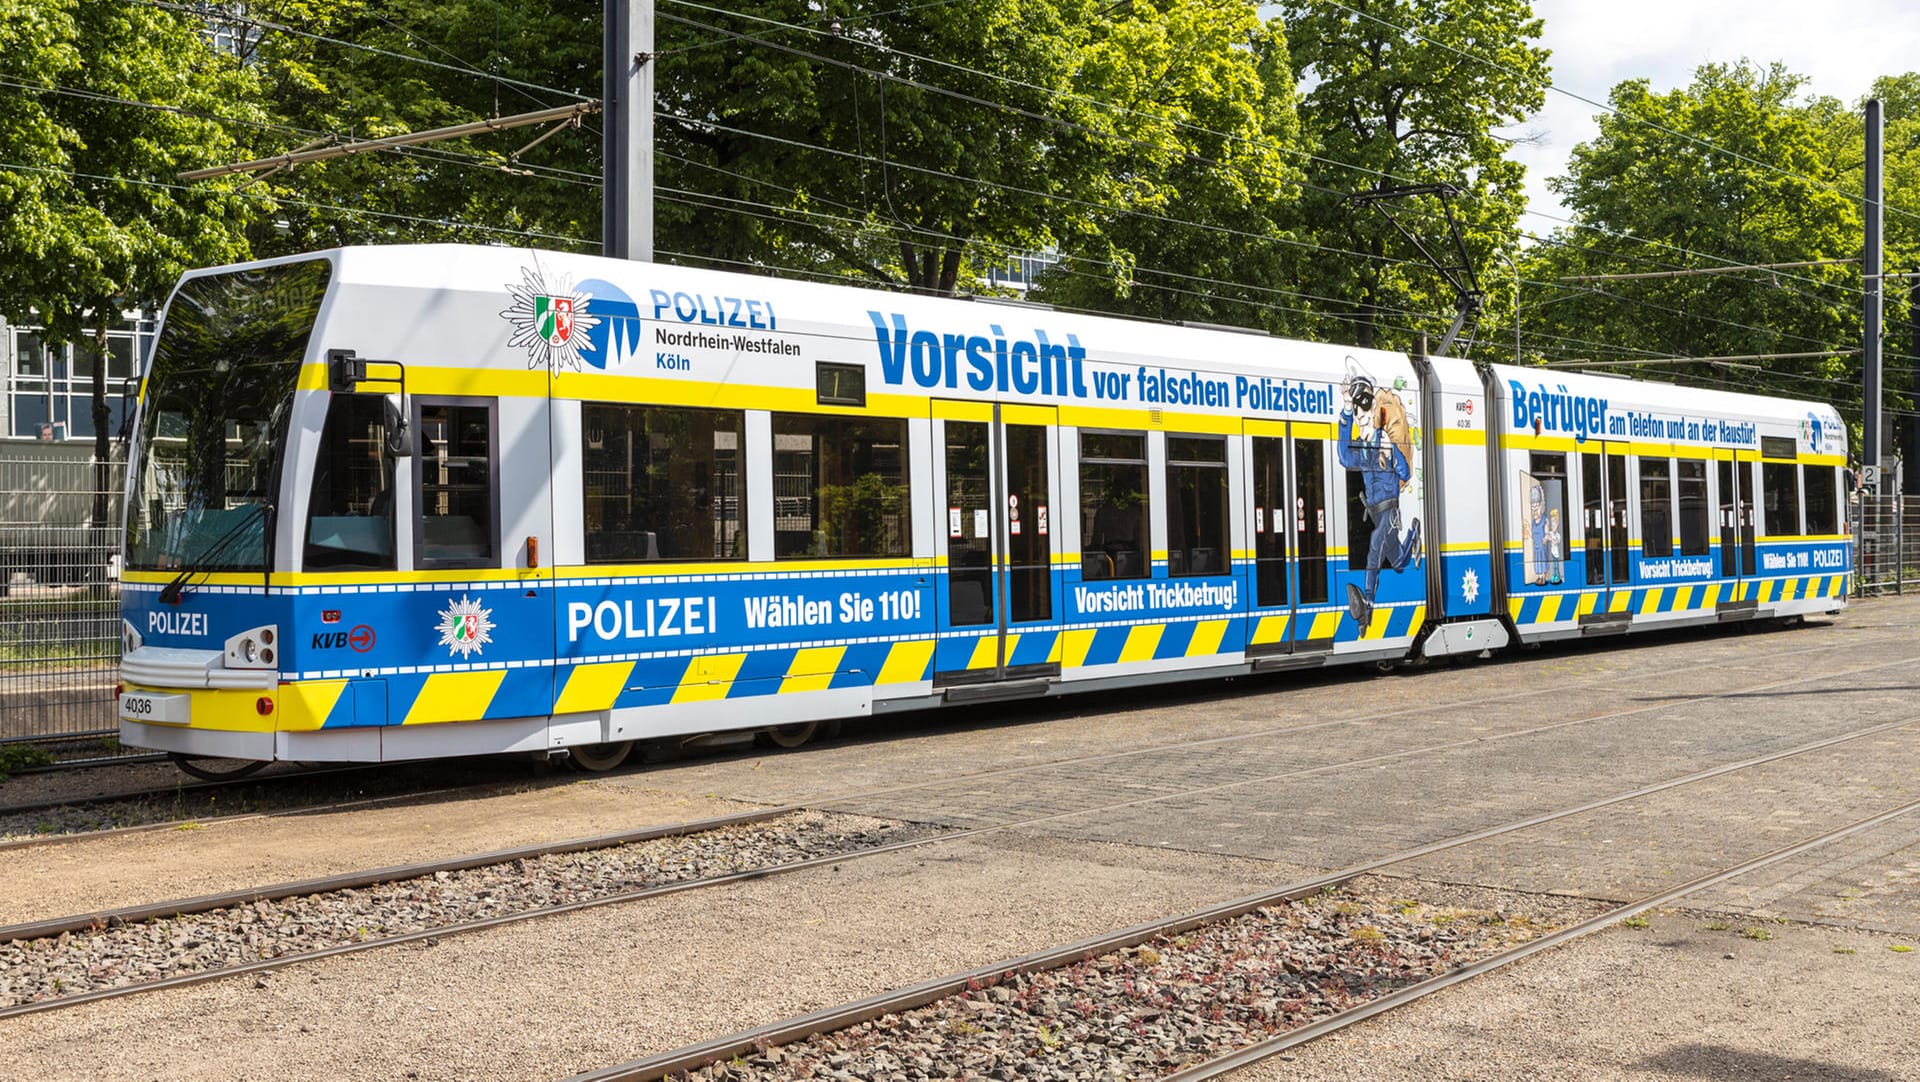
(1737, 556)
(999, 528)
(1289, 541)
(1603, 486)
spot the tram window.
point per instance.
(1197, 505)
(1823, 500)
(840, 487)
(1113, 505)
(1656, 506)
(662, 484)
(1780, 489)
(350, 514)
(458, 499)
(1543, 534)
(1690, 479)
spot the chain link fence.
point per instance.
(1886, 543)
(59, 604)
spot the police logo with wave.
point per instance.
(565, 327)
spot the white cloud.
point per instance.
(1598, 45)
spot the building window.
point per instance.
(662, 484)
(840, 487)
(1113, 505)
(50, 389)
(1656, 506)
(1197, 505)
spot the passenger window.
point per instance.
(1823, 500)
(1543, 536)
(1113, 505)
(662, 484)
(1197, 505)
(350, 512)
(840, 487)
(1656, 506)
(1696, 524)
(1780, 488)
(458, 500)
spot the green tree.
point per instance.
(1734, 168)
(1408, 92)
(338, 71)
(865, 137)
(94, 219)
(1200, 106)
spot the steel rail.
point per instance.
(1254, 1053)
(694, 1056)
(93, 920)
(1172, 926)
(327, 884)
(353, 880)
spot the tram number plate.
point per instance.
(169, 709)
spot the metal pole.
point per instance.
(1870, 267)
(1515, 267)
(626, 230)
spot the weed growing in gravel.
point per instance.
(1900, 948)
(1634, 922)
(1844, 950)
(1758, 934)
(960, 1027)
(1048, 1036)
(189, 825)
(1368, 935)
(1718, 926)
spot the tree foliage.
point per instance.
(1737, 168)
(1408, 92)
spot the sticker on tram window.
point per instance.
(1259, 520)
(1041, 520)
(953, 522)
(1013, 514)
(980, 523)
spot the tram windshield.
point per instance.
(218, 395)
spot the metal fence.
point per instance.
(59, 604)
(1886, 543)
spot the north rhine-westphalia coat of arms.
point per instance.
(550, 321)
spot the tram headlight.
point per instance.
(253, 648)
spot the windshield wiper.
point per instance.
(202, 565)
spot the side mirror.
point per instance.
(399, 436)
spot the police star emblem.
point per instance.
(465, 627)
(550, 321)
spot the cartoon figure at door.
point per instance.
(1377, 440)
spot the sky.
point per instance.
(1599, 43)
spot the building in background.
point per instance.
(49, 399)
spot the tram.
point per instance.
(403, 502)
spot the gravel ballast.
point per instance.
(1167, 1004)
(121, 954)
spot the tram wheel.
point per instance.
(211, 768)
(599, 758)
(791, 736)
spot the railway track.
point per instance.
(245, 918)
(31, 824)
(1113, 981)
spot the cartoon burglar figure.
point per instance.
(1376, 440)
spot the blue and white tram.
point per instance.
(402, 502)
